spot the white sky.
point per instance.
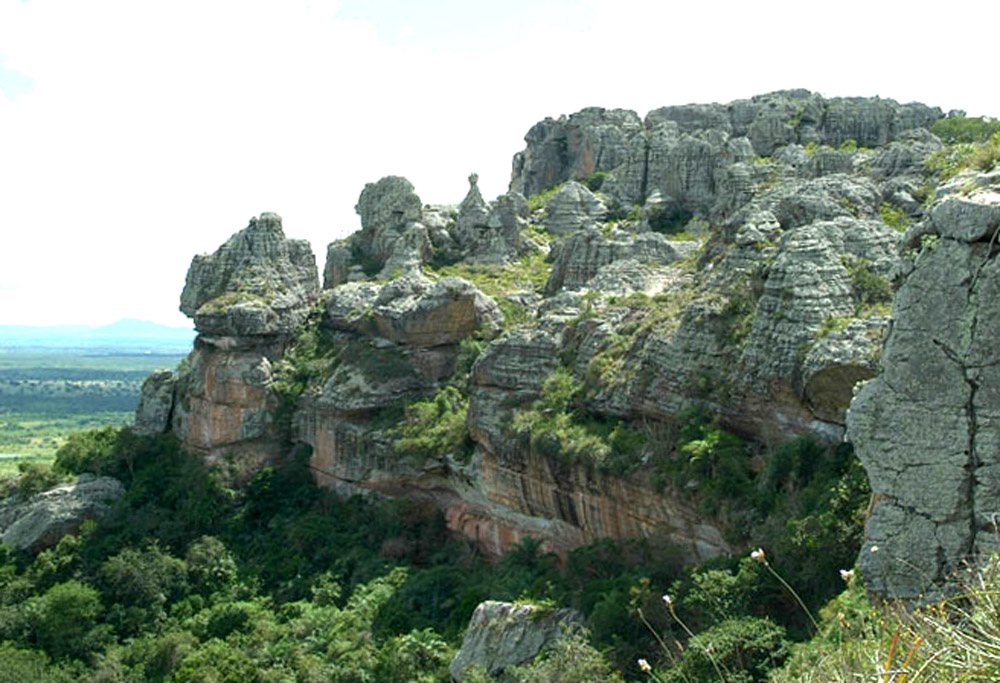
(137, 133)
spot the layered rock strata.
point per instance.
(751, 277)
(247, 300)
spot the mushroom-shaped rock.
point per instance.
(572, 208)
(257, 283)
(40, 521)
(416, 311)
(504, 634)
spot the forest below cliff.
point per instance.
(623, 388)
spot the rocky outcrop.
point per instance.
(578, 258)
(417, 312)
(247, 300)
(730, 257)
(575, 147)
(837, 362)
(257, 283)
(41, 520)
(491, 234)
(572, 208)
(156, 403)
(680, 150)
(927, 428)
(504, 634)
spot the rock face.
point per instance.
(576, 147)
(418, 312)
(927, 429)
(40, 521)
(580, 257)
(156, 404)
(574, 207)
(247, 300)
(736, 259)
(491, 234)
(257, 283)
(681, 151)
(503, 635)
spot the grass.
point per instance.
(9, 466)
(530, 273)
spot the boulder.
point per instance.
(418, 312)
(257, 283)
(156, 403)
(41, 520)
(504, 634)
(837, 362)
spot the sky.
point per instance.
(135, 134)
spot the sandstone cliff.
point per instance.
(524, 363)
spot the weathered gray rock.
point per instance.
(350, 305)
(577, 258)
(837, 362)
(906, 155)
(257, 283)
(492, 234)
(691, 118)
(927, 429)
(339, 259)
(572, 208)
(795, 202)
(827, 161)
(40, 521)
(807, 283)
(573, 148)
(386, 208)
(418, 312)
(372, 379)
(503, 634)
(156, 403)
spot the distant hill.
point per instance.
(128, 333)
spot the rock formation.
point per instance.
(737, 259)
(927, 429)
(41, 520)
(247, 300)
(504, 634)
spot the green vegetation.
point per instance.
(541, 200)
(187, 580)
(965, 129)
(952, 160)
(45, 395)
(436, 427)
(873, 292)
(894, 218)
(528, 274)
